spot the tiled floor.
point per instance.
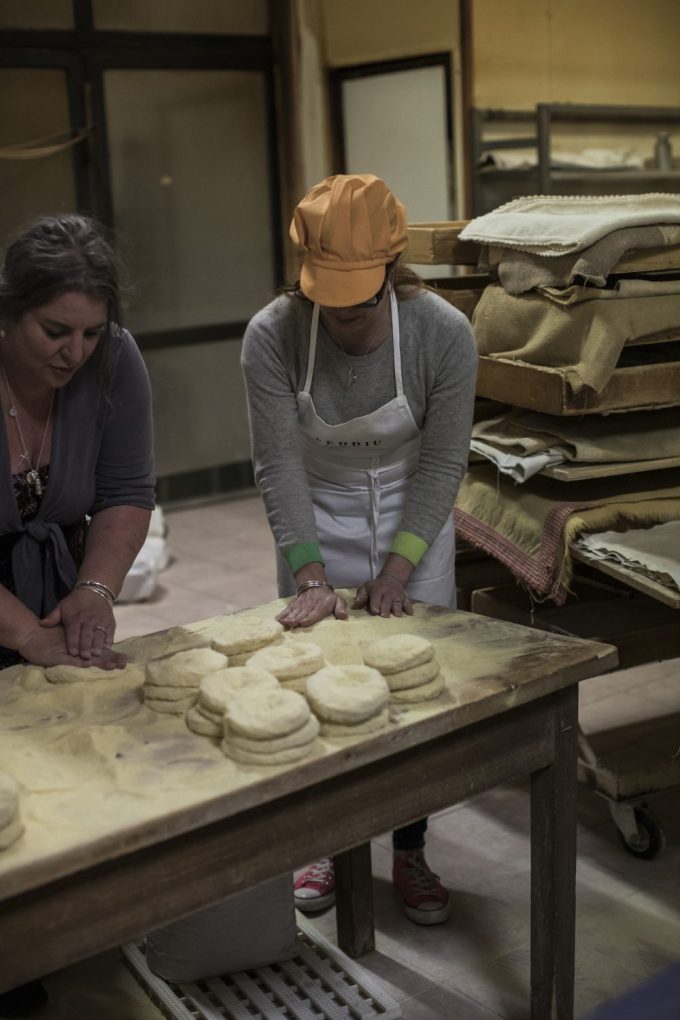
(477, 965)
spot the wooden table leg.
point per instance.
(354, 901)
(553, 869)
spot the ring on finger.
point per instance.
(102, 629)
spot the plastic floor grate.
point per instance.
(319, 983)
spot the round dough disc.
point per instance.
(397, 652)
(9, 799)
(413, 677)
(425, 692)
(266, 712)
(290, 660)
(10, 834)
(197, 722)
(376, 722)
(185, 669)
(271, 758)
(76, 674)
(305, 735)
(157, 693)
(245, 635)
(347, 694)
(217, 690)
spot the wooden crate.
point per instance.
(437, 244)
(641, 628)
(540, 388)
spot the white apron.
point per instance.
(358, 474)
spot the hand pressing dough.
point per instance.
(246, 635)
(10, 834)
(271, 758)
(217, 690)
(197, 721)
(289, 661)
(9, 799)
(264, 713)
(185, 669)
(376, 722)
(347, 694)
(76, 674)
(170, 707)
(155, 692)
(305, 735)
(425, 692)
(413, 677)
(397, 652)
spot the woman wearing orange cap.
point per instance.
(360, 385)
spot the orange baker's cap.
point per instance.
(350, 226)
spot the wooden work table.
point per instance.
(133, 821)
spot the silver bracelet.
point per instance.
(99, 588)
(306, 585)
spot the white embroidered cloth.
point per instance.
(649, 551)
(554, 225)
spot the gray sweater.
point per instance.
(439, 363)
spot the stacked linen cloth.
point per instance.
(556, 304)
(521, 443)
(652, 552)
(531, 528)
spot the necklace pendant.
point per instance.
(351, 376)
(12, 411)
(33, 479)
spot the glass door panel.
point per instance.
(190, 177)
(33, 106)
(218, 16)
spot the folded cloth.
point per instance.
(531, 528)
(518, 466)
(653, 552)
(519, 271)
(552, 225)
(594, 439)
(584, 339)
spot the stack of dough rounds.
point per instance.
(10, 823)
(409, 666)
(242, 637)
(217, 690)
(171, 684)
(291, 662)
(348, 700)
(268, 726)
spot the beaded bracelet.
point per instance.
(98, 588)
(306, 585)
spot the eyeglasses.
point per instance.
(372, 302)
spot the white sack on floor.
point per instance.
(142, 577)
(252, 929)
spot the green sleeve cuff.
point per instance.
(409, 546)
(301, 554)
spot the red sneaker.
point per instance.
(315, 887)
(425, 901)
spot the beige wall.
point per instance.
(576, 51)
